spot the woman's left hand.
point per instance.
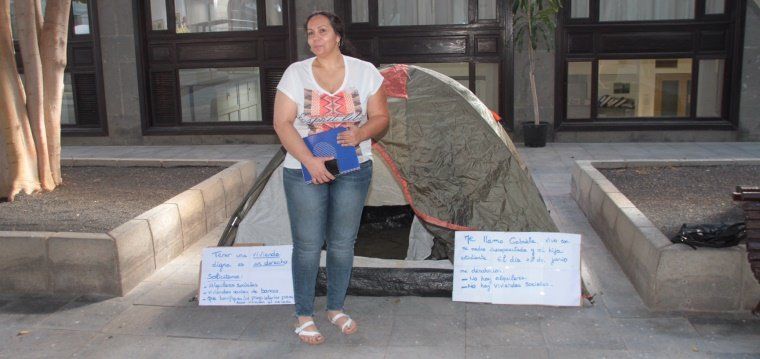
(351, 137)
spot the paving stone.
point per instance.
(85, 315)
(598, 312)
(160, 347)
(46, 343)
(737, 344)
(196, 322)
(28, 311)
(163, 273)
(184, 275)
(366, 305)
(430, 306)
(484, 331)
(143, 320)
(83, 263)
(580, 353)
(336, 351)
(497, 352)
(275, 323)
(169, 295)
(659, 335)
(442, 350)
(427, 331)
(23, 262)
(582, 333)
(500, 311)
(635, 309)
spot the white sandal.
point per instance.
(345, 325)
(301, 331)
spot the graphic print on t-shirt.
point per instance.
(322, 111)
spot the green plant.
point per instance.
(534, 20)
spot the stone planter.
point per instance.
(667, 276)
(113, 263)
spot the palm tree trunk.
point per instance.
(17, 154)
(28, 42)
(534, 93)
(532, 61)
(53, 39)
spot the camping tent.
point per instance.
(446, 157)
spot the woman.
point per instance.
(314, 95)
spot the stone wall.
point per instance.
(523, 100)
(749, 120)
(119, 53)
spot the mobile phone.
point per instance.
(332, 166)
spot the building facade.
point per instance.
(204, 72)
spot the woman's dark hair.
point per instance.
(345, 46)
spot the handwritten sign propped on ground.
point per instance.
(517, 268)
(246, 276)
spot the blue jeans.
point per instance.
(318, 213)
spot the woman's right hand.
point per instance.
(318, 171)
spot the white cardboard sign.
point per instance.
(255, 275)
(517, 268)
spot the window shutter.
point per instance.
(163, 92)
(271, 79)
(86, 99)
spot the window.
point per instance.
(644, 88)
(487, 84)
(676, 68)
(220, 95)
(81, 17)
(213, 16)
(640, 10)
(158, 15)
(274, 12)
(714, 7)
(68, 116)
(487, 9)
(710, 88)
(579, 90)
(199, 81)
(422, 12)
(359, 11)
(462, 39)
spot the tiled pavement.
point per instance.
(159, 320)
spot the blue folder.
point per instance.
(325, 144)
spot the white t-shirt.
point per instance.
(319, 110)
